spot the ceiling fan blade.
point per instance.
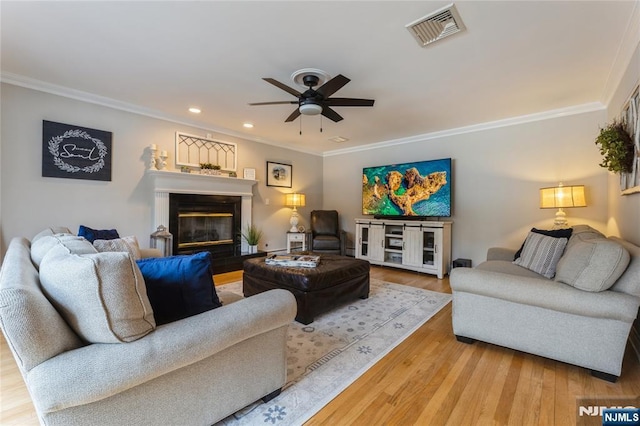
(284, 87)
(349, 102)
(274, 103)
(331, 114)
(333, 85)
(295, 114)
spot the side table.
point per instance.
(296, 241)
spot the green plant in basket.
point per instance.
(616, 148)
(252, 234)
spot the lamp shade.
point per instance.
(558, 197)
(295, 200)
(310, 109)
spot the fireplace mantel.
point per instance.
(168, 182)
(192, 183)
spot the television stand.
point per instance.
(421, 246)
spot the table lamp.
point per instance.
(294, 200)
(560, 197)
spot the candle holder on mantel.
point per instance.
(152, 161)
(162, 164)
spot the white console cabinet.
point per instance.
(422, 246)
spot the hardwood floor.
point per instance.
(429, 379)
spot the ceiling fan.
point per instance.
(317, 101)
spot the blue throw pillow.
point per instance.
(97, 234)
(179, 286)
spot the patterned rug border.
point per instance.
(273, 413)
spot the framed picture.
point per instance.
(75, 152)
(249, 173)
(279, 174)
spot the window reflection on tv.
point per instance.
(418, 189)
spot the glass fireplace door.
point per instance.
(201, 229)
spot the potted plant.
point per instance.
(616, 147)
(252, 234)
(205, 168)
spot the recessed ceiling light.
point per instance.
(338, 139)
(248, 125)
(195, 110)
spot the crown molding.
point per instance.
(29, 83)
(513, 121)
(79, 95)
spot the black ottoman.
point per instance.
(336, 280)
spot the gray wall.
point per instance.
(496, 177)
(31, 202)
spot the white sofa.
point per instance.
(194, 371)
(585, 323)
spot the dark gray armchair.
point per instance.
(326, 235)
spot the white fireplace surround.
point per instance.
(170, 182)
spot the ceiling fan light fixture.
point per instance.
(310, 109)
(317, 101)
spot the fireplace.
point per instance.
(205, 223)
(227, 256)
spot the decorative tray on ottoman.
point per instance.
(303, 260)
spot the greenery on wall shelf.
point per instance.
(616, 148)
(209, 166)
(209, 169)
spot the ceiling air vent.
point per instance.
(436, 26)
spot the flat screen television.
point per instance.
(417, 190)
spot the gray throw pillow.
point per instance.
(102, 296)
(541, 254)
(126, 244)
(592, 264)
(629, 281)
(51, 231)
(41, 246)
(583, 233)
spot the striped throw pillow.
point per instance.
(541, 254)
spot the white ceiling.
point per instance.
(515, 58)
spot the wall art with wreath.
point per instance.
(630, 182)
(75, 152)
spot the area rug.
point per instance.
(326, 356)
